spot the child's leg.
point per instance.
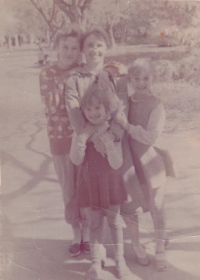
(65, 173)
(85, 245)
(115, 224)
(84, 225)
(158, 216)
(95, 218)
(132, 225)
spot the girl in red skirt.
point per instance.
(100, 185)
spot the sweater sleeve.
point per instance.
(46, 87)
(72, 100)
(154, 127)
(77, 151)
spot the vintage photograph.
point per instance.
(100, 140)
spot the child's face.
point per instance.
(68, 51)
(141, 82)
(94, 49)
(95, 113)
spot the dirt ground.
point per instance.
(34, 235)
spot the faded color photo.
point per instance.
(99, 140)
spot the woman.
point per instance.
(94, 45)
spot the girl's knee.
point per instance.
(114, 223)
(95, 225)
(157, 199)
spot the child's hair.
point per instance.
(139, 65)
(103, 95)
(71, 31)
(99, 32)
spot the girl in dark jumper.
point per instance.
(144, 125)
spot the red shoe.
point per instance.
(85, 246)
(75, 249)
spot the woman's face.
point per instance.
(68, 51)
(94, 49)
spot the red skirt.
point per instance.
(98, 185)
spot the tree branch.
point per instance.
(84, 10)
(53, 13)
(56, 28)
(42, 13)
(86, 5)
(115, 14)
(62, 4)
(65, 8)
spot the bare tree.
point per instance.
(77, 10)
(52, 16)
(107, 14)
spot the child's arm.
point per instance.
(72, 100)
(153, 130)
(46, 87)
(115, 69)
(113, 150)
(78, 146)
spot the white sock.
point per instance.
(77, 235)
(85, 233)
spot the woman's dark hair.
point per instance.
(99, 33)
(71, 31)
(103, 95)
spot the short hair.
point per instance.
(139, 65)
(70, 31)
(104, 96)
(99, 33)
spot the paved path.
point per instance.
(35, 237)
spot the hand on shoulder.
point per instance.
(121, 119)
(115, 69)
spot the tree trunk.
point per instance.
(112, 39)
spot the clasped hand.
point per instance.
(121, 119)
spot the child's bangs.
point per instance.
(140, 66)
(93, 100)
(103, 96)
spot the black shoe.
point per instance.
(85, 246)
(75, 249)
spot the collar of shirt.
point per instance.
(84, 70)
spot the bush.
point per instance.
(182, 104)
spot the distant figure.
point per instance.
(41, 56)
